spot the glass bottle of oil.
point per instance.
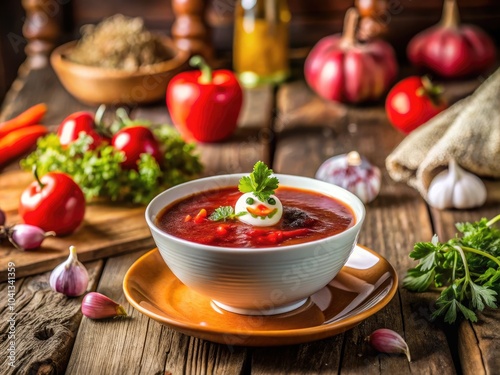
(261, 41)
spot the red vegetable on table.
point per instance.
(134, 141)
(31, 116)
(18, 141)
(204, 105)
(412, 102)
(71, 127)
(451, 49)
(339, 68)
(54, 203)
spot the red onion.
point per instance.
(70, 278)
(98, 306)
(27, 237)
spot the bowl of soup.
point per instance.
(255, 269)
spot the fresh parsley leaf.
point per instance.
(224, 213)
(417, 280)
(259, 182)
(467, 266)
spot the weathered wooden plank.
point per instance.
(141, 345)
(394, 222)
(46, 324)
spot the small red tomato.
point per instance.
(74, 124)
(134, 141)
(412, 102)
(54, 203)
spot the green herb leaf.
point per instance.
(259, 182)
(468, 266)
(224, 213)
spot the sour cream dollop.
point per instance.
(257, 213)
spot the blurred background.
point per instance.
(311, 20)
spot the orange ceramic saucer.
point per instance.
(364, 286)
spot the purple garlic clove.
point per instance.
(27, 237)
(98, 306)
(386, 340)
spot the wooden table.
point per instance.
(293, 131)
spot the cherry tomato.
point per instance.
(134, 141)
(54, 203)
(412, 102)
(75, 123)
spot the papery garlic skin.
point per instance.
(456, 188)
(98, 306)
(71, 277)
(354, 173)
(386, 340)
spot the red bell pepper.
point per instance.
(204, 104)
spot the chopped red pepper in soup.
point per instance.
(307, 216)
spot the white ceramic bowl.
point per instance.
(255, 281)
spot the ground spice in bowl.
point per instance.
(119, 42)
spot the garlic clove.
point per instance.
(386, 340)
(98, 306)
(70, 277)
(456, 188)
(27, 237)
(354, 173)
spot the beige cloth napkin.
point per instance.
(468, 131)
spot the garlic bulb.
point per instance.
(354, 173)
(70, 277)
(456, 188)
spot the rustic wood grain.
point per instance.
(46, 324)
(141, 345)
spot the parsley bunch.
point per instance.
(467, 267)
(99, 174)
(259, 182)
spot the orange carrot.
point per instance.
(31, 116)
(19, 141)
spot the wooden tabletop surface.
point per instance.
(294, 132)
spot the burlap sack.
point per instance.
(468, 131)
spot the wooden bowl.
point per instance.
(95, 85)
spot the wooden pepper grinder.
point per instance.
(373, 22)
(42, 29)
(190, 31)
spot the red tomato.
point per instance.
(412, 102)
(75, 123)
(54, 203)
(134, 141)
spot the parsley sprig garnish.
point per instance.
(467, 267)
(259, 182)
(225, 213)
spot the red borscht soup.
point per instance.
(307, 216)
